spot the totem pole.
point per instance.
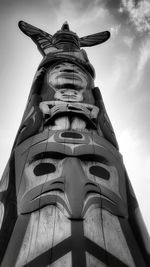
(65, 198)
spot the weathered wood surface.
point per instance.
(46, 229)
(65, 199)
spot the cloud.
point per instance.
(115, 30)
(131, 147)
(143, 60)
(147, 168)
(112, 5)
(128, 40)
(129, 140)
(144, 55)
(139, 13)
(89, 11)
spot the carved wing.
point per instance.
(41, 38)
(94, 39)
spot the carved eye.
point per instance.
(44, 168)
(100, 172)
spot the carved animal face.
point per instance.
(69, 183)
(68, 81)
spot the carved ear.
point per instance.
(94, 39)
(41, 38)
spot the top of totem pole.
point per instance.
(62, 39)
(64, 45)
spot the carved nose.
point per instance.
(75, 180)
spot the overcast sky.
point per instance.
(122, 67)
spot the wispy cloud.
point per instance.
(118, 71)
(115, 30)
(129, 143)
(82, 13)
(139, 13)
(143, 58)
(144, 55)
(128, 40)
(147, 166)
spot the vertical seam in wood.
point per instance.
(30, 238)
(101, 206)
(101, 214)
(53, 236)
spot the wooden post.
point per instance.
(65, 198)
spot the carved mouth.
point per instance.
(54, 110)
(69, 85)
(69, 75)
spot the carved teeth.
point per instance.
(59, 108)
(78, 124)
(61, 124)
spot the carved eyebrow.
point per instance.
(94, 158)
(48, 154)
(60, 156)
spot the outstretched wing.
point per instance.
(94, 39)
(41, 38)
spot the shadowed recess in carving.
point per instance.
(44, 168)
(100, 172)
(71, 135)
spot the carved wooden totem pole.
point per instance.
(66, 199)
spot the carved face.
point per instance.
(69, 82)
(66, 183)
(71, 105)
(54, 178)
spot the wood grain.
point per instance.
(91, 261)
(115, 240)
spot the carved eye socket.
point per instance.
(44, 168)
(100, 172)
